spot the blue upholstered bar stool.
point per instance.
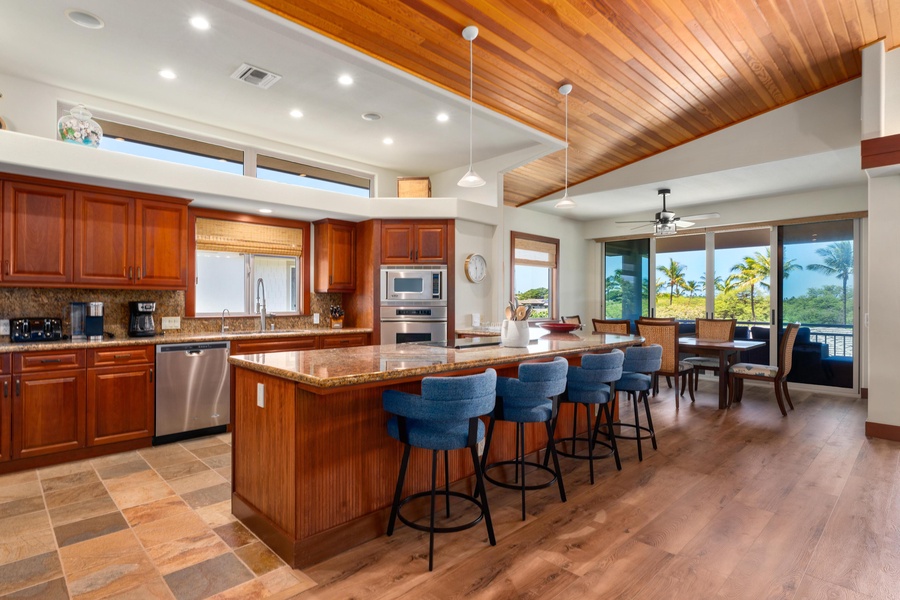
(444, 417)
(532, 398)
(641, 362)
(593, 383)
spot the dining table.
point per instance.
(725, 350)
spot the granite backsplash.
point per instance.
(54, 302)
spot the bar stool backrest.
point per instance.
(643, 359)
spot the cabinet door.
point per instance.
(5, 417)
(119, 404)
(335, 257)
(37, 233)
(161, 245)
(431, 243)
(397, 241)
(48, 412)
(343, 341)
(104, 239)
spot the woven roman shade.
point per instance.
(535, 253)
(248, 238)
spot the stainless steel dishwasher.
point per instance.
(193, 389)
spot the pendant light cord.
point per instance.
(471, 77)
(567, 146)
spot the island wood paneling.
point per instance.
(647, 76)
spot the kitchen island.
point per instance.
(313, 467)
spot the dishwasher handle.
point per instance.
(193, 352)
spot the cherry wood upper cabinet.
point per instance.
(37, 233)
(413, 242)
(335, 256)
(161, 244)
(104, 239)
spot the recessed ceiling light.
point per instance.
(371, 117)
(84, 18)
(443, 117)
(388, 141)
(302, 174)
(345, 80)
(265, 211)
(296, 113)
(167, 74)
(200, 23)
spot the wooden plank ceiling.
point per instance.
(648, 75)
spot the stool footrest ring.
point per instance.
(518, 486)
(455, 528)
(619, 436)
(568, 454)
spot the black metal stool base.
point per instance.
(636, 426)
(445, 495)
(518, 464)
(587, 441)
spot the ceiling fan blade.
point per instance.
(682, 224)
(647, 224)
(700, 217)
(623, 222)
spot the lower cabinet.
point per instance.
(343, 341)
(5, 418)
(119, 404)
(48, 412)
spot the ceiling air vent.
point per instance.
(255, 76)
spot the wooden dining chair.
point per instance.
(657, 319)
(666, 335)
(776, 374)
(573, 320)
(721, 330)
(616, 326)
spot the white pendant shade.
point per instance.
(565, 201)
(471, 178)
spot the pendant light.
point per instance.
(471, 178)
(565, 201)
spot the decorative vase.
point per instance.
(77, 127)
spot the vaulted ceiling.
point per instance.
(648, 75)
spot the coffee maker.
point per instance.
(93, 322)
(141, 322)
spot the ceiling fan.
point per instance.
(666, 223)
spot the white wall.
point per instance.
(892, 92)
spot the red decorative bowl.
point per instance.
(560, 327)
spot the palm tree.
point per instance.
(754, 271)
(691, 287)
(674, 276)
(729, 284)
(838, 261)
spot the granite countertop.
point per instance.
(175, 338)
(365, 364)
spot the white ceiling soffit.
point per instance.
(122, 60)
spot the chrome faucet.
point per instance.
(225, 327)
(261, 303)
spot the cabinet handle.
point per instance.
(330, 279)
(151, 375)
(139, 273)
(18, 387)
(51, 360)
(118, 356)
(130, 272)
(6, 389)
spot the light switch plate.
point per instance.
(261, 395)
(4, 327)
(171, 322)
(315, 319)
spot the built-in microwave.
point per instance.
(413, 283)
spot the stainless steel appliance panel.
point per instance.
(414, 284)
(192, 387)
(402, 324)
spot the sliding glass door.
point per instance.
(626, 289)
(681, 277)
(817, 282)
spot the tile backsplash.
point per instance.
(54, 302)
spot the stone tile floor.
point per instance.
(153, 523)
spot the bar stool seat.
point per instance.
(532, 398)
(443, 418)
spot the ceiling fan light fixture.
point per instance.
(665, 229)
(566, 202)
(471, 178)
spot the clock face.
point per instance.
(476, 268)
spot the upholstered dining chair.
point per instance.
(616, 326)
(532, 398)
(593, 384)
(573, 320)
(721, 330)
(638, 371)
(666, 335)
(776, 374)
(443, 418)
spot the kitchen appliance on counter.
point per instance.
(77, 314)
(35, 330)
(193, 390)
(93, 322)
(140, 322)
(414, 284)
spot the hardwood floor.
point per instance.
(735, 504)
(742, 503)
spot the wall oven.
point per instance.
(401, 324)
(413, 284)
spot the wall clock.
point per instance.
(475, 268)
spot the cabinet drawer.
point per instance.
(273, 345)
(344, 341)
(4, 364)
(50, 360)
(123, 355)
